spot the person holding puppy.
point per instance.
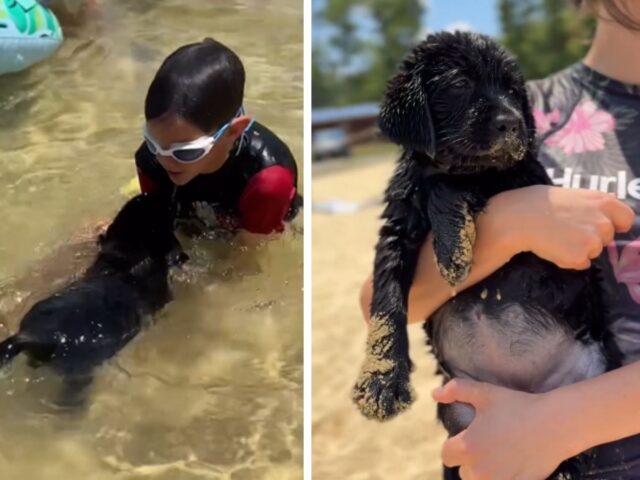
(593, 160)
(225, 171)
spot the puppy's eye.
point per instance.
(513, 91)
(461, 84)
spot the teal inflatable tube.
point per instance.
(29, 33)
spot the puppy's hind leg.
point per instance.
(449, 473)
(383, 389)
(9, 348)
(74, 393)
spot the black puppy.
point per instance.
(459, 108)
(90, 320)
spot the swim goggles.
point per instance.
(190, 152)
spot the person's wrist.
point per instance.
(506, 235)
(558, 413)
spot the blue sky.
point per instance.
(480, 15)
(477, 15)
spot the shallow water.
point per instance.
(214, 388)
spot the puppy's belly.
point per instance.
(519, 351)
(516, 350)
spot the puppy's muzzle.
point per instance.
(508, 132)
(506, 123)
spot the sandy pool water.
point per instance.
(212, 390)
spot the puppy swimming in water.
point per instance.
(89, 321)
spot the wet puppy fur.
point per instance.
(89, 321)
(459, 108)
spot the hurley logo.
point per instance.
(620, 185)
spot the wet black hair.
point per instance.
(202, 82)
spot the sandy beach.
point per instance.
(345, 444)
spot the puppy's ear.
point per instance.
(404, 114)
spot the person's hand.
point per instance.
(101, 227)
(512, 435)
(568, 227)
(90, 232)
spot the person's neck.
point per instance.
(614, 53)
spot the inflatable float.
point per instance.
(29, 33)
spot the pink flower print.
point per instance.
(544, 121)
(584, 130)
(626, 266)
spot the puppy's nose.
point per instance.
(506, 122)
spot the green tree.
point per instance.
(371, 36)
(398, 24)
(322, 80)
(545, 35)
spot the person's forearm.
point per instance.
(567, 227)
(429, 291)
(595, 411)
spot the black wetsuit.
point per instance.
(255, 189)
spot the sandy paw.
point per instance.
(382, 393)
(454, 273)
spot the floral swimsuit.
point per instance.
(597, 146)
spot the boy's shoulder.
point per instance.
(265, 145)
(259, 132)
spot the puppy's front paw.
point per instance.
(454, 255)
(383, 389)
(453, 272)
